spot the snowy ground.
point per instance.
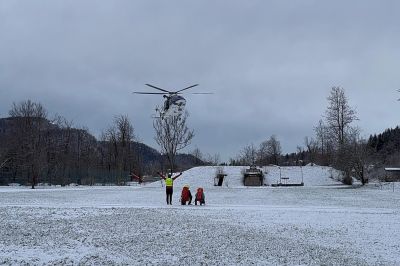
(323, 223)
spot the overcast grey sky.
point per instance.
(271, 64)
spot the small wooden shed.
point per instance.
(253, 177)
(392, 174)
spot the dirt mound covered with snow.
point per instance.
(311, 176)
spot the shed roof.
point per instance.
(392, 169)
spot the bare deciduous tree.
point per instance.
(125, 135)
(360, 154)
(119, 137)
(29, 137)
(28, 109)
(262, 154)
(339, 115)
(312, 148)
(348, 150)
(323, 139)
(248, 155)
(213, 159)
(197, 154)
(274, 149)
(61, 151)
(351, 157)
(172, 135)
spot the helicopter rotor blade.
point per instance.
(187, 88)
(156, 93)
(202, 93)
(157, 88)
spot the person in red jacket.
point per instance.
(169, 185)
(186, 196)
(200, 197)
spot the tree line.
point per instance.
(384, 148)
(35, 148)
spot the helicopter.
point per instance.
(174, 104)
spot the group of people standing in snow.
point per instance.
(186, 195)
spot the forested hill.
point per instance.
(36, 150)
(385, 146)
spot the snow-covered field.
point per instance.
(322, 223)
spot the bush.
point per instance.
(347, 180)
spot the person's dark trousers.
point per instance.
(169, 191)
(190, 199)
(183, 202)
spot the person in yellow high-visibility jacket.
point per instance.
(169, 185)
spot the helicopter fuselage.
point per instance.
(174, 105)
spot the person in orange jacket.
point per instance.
(186, 196)
(169, 185)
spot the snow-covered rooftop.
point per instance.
(392, 169)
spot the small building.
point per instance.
(392, 174)
(253, 177)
